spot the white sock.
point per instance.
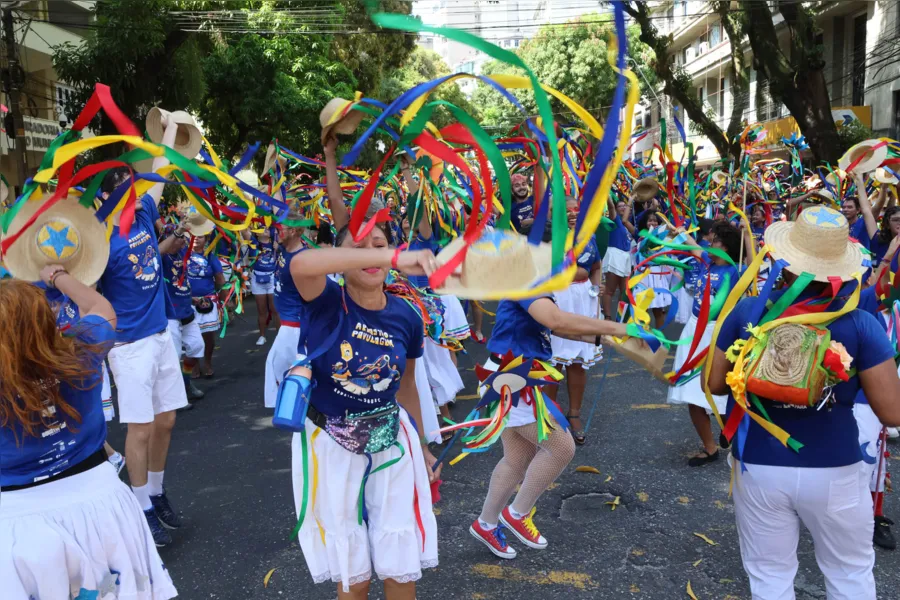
(155, 482)
(487, 526)
(517, 515)
(142, 494)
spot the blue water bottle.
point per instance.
(293, 396)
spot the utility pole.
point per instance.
(13, 81)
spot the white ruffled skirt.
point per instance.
(685, 305)
(659, 278)
(692, 392)
(617, 261)
(84, 532)
(443, 375)
(400, 538)
(456, 326)
(576, 299)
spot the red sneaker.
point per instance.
(494, 539)
(524, 529)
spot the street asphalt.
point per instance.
(229, 473)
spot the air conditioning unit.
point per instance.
(704, 47)
(689, 54)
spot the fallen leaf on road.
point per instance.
(586, 469)
(268, 577)
(643, 496)
(608, 479)
(637, 552)
(706, 539)
(724, 581)
(683, 499)
(690, 592)
(614, 503)
(697, 562)
(634, 589)
(721, 505)
(468, 397)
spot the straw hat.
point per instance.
(339, 116)
(646, 188)
(67, 234)
(719, 177)
(882, 175)
(498, 263)
(637, 350)
(836, 177)
(271, 156)
(824, 195)
(872, 156)
(817, 243)
(188, 140)
(197, 225)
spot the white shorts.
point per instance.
(86, 531)
(109, 411)
(617, 262)
(692, 392)
(281, 356)
(261, 289)
(209, 322)
(336, 547)
(576, 299)
(833, 503)
(148, 378)
(870, 443)
(186, 338)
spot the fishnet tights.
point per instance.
(525, 461)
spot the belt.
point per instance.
(94, 460)
(290, 324)
(318, 419)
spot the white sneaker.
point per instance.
(261, 341)
(118, 461)
(893, 433)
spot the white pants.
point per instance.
(186, 338)
(148, 378)
(870, 444)
(834, 504)
(430, 423)
(281, 356)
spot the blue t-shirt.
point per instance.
(619, 237)
(202, 271)
(589, 256)
(515, 330)
(287, 299)
(879, 249)
(830, 435)
(362, 369)
(132, 281)
(420, 243)
(66, 442)
(859, 232)
(67, 313)
(522, 211)
(868, 302)
(716, 274)
(759, 234)
(179, 296)
(264, 258)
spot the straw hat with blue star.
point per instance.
(67, 234)
(818, 242)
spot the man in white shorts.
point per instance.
(144, 362)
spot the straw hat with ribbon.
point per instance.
(188, 140)
(339, 116)
(197, 225)
(67, 234)
(836, 177)
(637, 350)
(646, 189)
(864, 157)
(882, 175)
(498, 263)
(817, 243)
(720, 177)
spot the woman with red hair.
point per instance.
(68, 525)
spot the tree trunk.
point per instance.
(740, 83)
(678, 85)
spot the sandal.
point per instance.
(577, 434)
(703, 458)
(478, 337)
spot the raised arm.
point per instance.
(339, 212)
(545, 312)
(424, 226)
(864, 206)
(880, 198)
(168, 140)
(87, 299)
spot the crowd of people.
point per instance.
(787, 347)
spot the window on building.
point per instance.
(700, 94)
(670, 18)
(684, 55)
(721, 97)
(859, 60)
(715, 34)
(895, 121)
(648, 119)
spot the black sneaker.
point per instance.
(185, 408)
(167, 516)
(193, 392)
(883, 537)
(723, 442)
(161, 537)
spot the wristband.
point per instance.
(51, 281)
(423, 440)
(396, 256)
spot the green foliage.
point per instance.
(853, 133)
(573, 59)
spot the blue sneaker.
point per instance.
(167, 516)
(161, 537)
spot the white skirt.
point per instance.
(659, 278)
(208, 322)
(443, 375)
(456, 326)
(691, 392)
(576, 299)
(685, 305)
(617, 262)
(281, 356)
(430, 420)
(395, 543)
(84, 532)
